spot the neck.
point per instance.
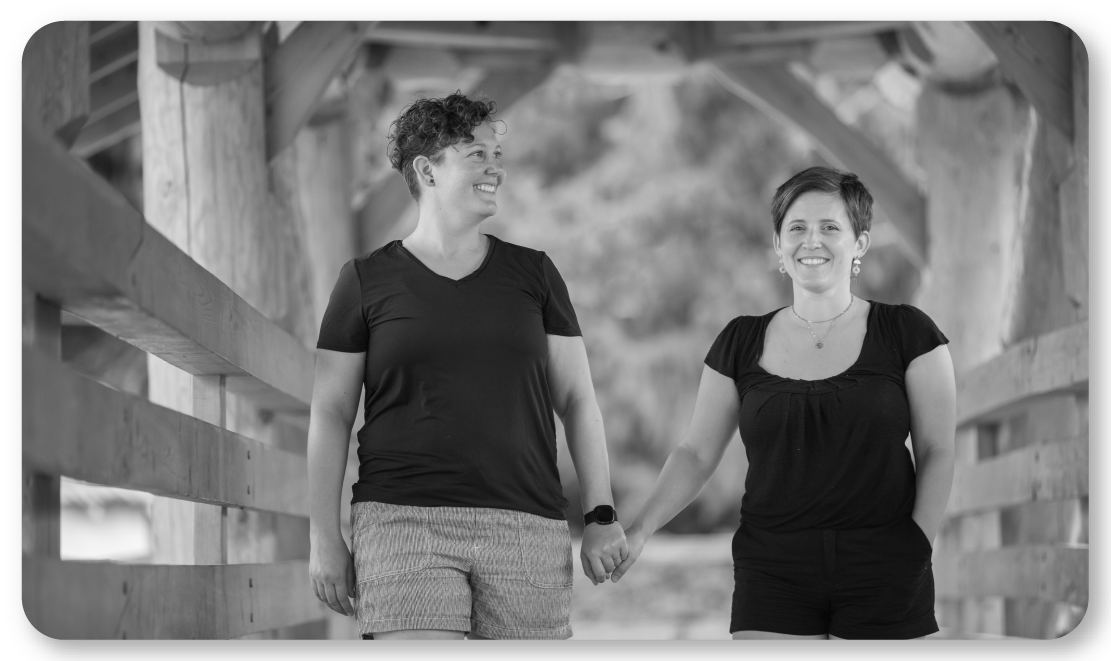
(445, 234)
(820, 306)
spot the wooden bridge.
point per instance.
(249, 130)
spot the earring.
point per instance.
(856, 267)
(431, 181)
(782, 268)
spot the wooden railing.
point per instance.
(1040, 369)
(86, 251)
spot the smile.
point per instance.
(486, 188)
(813, 261)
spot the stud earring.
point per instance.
(856, 267)
(431, 181)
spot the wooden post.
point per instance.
(42, 324)
(56, 78)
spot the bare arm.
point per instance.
(931, 390)
(335, 400)
(690, 464)
(574, 402)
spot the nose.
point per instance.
(813, 238)
(495, 169)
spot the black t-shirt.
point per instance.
(457, 409)
(829, 453)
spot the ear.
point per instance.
(775, 244)
(863, 242)
(423, 168)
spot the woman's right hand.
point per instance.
(635, 539)
(332, 572)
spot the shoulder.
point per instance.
(901, 316)
(518, 253)
(743, 328)
(385, 257)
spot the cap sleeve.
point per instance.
(344, 327)
(727, 348)
(559, 316)
(917, 334)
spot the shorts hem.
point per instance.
(502, 633)
(907, 631)
(410, 623)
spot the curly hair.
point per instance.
(427, 126)
(857, 199)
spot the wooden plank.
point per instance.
(777, 91)
(1074, 190)
(208, 63)
(110, 129)
(41, 500)
(210, 523)
(100, 600)
(299, 71)
(1034, 367)
(482, 35)
(93, 253)
(100, 31)
(56, 78)
(1055, 471)
(1038, 56)
(753, 33)
(112, 92)
(1053, 573)
(76, 427)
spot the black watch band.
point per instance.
(602, 515)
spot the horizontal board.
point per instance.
(1054, 573)
(93, 254)
(1054, 471)
(101, 600)
(1036, 366)
(76, 427)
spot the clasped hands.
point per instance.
(605, 550)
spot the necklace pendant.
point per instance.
(819, 345)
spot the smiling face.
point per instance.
(817, 243)
(469, 174)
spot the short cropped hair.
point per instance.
(427, 126)
(857, 199)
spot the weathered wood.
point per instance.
(108, 600)
(41, 500)
(1038, 56)
(299, 71)
(210, 523)
(751, 33)
(208, 63)
(775, 89)
(76, 427)
(510, 35)
(113, 50)
(56, 78)
(110, 129)
(105, 358)
(1074, 190)
(1055, 573)
(1055, 471)
(1036, 366)
(92, 252)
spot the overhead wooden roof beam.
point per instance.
(500, 35)
(777, 91)
(779, 32)
(1038, 56)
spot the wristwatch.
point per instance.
(602, 515)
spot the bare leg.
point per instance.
(474, 636)
(768, 635)
(419, 634)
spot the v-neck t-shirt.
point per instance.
(457, 408)
(827, 453)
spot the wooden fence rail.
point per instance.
(86, 251)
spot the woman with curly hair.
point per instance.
(465, 345)
(837, 520)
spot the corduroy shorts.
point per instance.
(496, 573)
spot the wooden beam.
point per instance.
(200, 63)
(110, 129)
(107, 600)
(481, 35)
(1036, 366)
(41, 503)
(113, 49)
(56, 79)
(760, 33)
(777, 91)
(1055, 471)
(299, 71)
(93, 253)
(1037, 55)
(76, 427)
(1053, 573)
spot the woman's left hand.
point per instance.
(603, 548)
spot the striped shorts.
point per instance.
(492, 572)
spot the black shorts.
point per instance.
(859, 583)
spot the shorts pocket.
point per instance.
(545, 551)
(388, 540)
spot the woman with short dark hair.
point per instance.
(465, 345)
(837, 520)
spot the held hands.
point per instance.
(603, 549)
(332, 572)
(636, 539)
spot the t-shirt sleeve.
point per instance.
(344, 326)
(722, 357)
(917, 333)
(559, 316)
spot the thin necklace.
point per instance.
(816, 339)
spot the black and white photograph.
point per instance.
(545, 330)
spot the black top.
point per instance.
(828, 453)
(457, 408)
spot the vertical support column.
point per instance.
(42, 504)
(56, 79)
(210, 522)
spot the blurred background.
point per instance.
(643, 164)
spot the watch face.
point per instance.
(604, 514)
